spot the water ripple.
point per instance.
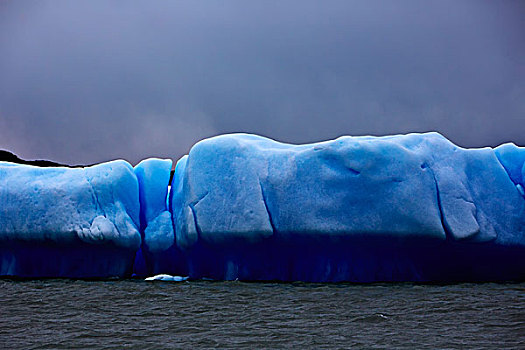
(63, 314)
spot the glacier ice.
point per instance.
(410, 207)
(68, 222)
(406, 207)
(407, 186)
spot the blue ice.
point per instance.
(405, 207)
(410, 207)
(155, 219)
(68, 222)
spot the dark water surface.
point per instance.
(69, 314)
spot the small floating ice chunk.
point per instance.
(167, 278)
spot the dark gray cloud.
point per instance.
(92, 81)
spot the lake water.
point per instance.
(67, 314)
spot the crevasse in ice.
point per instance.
(155, 220)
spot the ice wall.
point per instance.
(407, 207)
(68, 222)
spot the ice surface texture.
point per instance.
(68, 222)
(362, 209)
(407, 207)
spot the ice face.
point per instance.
(410, 186)
(250, 188)
(68, 209)
(241, 202)
(98, 204)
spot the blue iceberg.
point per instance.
(410, 207)
(398, 208)
(68, 222)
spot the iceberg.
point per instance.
(398, 208)
(68, 222)
(363, 209)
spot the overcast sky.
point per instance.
(84, 82)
